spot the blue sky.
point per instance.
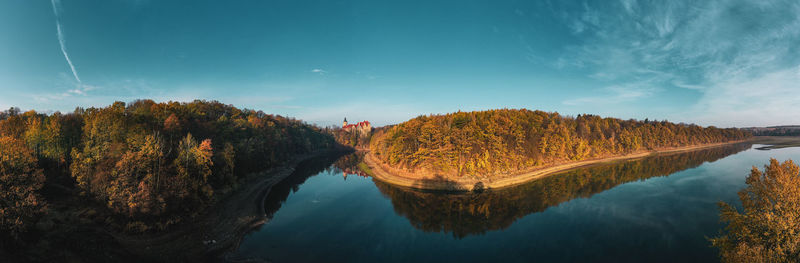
(724, 63)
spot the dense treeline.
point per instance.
(791, 130)
(20, 182)
(352, 138)
(150, 163)
(470, 213)
(355, 138)
(505, 141)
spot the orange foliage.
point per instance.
(20, 181)
(767, 230)
(494, 142)
(132, 157)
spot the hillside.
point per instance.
(141, 166)
(495, 143)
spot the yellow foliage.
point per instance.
(501, 141)
(768, 229)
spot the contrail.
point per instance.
(56, 3)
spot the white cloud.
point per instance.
(681, 84)
(577, 26)
(319, 71)
(771, 99)
(662, 20)
(745, 67)
(81, 89)
(68, 87)
(617, 94)
(629, 5)
(57, 10)
(71, 91)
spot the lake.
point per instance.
(656, 209)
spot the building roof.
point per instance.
(360, 124)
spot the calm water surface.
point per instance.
(656, 209)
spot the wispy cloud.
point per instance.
(617, 94)
(769, 99)
(629, 5)
(705, 47)
(57, 11)
(72, 87)
(319, 71)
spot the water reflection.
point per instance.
(306, 169)
(464, 214)
(351, 165)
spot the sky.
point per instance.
(728, 63)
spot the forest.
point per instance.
(145, 165)
(351, 138)
(505, 141)
(787, 130)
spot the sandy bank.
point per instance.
(385, 173)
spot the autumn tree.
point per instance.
(768, 228)
(225, 162)
(193, 165)
(12, 123)
(495, 142)
(20, 182)
(172, 125)
(34, 133)
(137, 177)
(105, 139)
(139, 159)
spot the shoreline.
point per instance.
(382, 171)
(220, 229)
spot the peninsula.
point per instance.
(499, 148)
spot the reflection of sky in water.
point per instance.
(658, 219)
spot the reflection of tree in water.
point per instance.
(465, 214)
(349, 164)
(306, 169)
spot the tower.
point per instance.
(344, 123)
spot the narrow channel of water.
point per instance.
(655, 209)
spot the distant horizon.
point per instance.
(732, 63)
(334, 122)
